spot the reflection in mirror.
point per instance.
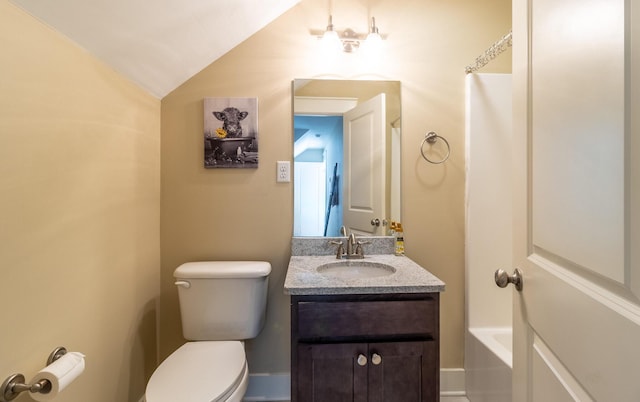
(346, 156)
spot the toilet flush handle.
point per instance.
(184, 284)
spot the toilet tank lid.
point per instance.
(223, 269)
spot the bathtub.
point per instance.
(488, 364)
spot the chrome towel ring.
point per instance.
(431, 137)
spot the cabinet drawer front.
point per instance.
(369, 319)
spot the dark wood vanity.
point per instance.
(365, 347)
(362, 338)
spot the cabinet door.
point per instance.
(403, 372)
(331, 372)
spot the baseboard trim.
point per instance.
(452, 382)
(268, 387)
(277, 386)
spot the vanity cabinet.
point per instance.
(365, 348)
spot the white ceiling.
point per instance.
(157, 44)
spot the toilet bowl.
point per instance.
(208, 371)
(221, 304)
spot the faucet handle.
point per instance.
(340, 249)
(359, 248)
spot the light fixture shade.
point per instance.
(330, 38)
(374, 40)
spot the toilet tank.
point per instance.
(222, 300)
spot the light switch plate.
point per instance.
(283, 174)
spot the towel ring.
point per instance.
(431, 137)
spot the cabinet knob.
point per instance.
(362, 360)
(376, 359)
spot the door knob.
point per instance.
(375, 222)
(362, 360)
(376, 359)
(502, 278)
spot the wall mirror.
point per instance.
(346, 156)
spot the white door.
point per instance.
(576, 76)
(364, 167)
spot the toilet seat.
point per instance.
(204, 371)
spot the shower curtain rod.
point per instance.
(491, 53)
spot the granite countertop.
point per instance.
(303, 279)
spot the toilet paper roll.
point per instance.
(60, 374)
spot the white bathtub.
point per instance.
(488, 364)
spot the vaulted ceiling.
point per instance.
(157, 44)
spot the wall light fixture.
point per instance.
(349, 40)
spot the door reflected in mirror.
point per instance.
(346, 156)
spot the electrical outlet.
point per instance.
(283, 171)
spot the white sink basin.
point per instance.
(355, 269)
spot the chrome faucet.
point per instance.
(354, 248)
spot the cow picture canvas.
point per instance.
(230, 133)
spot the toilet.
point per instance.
(221, 304)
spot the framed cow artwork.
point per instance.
(230, 133)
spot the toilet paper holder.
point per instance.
(14, 385)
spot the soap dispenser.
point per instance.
(399, 233)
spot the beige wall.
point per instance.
(245, 214)
(79, 213)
